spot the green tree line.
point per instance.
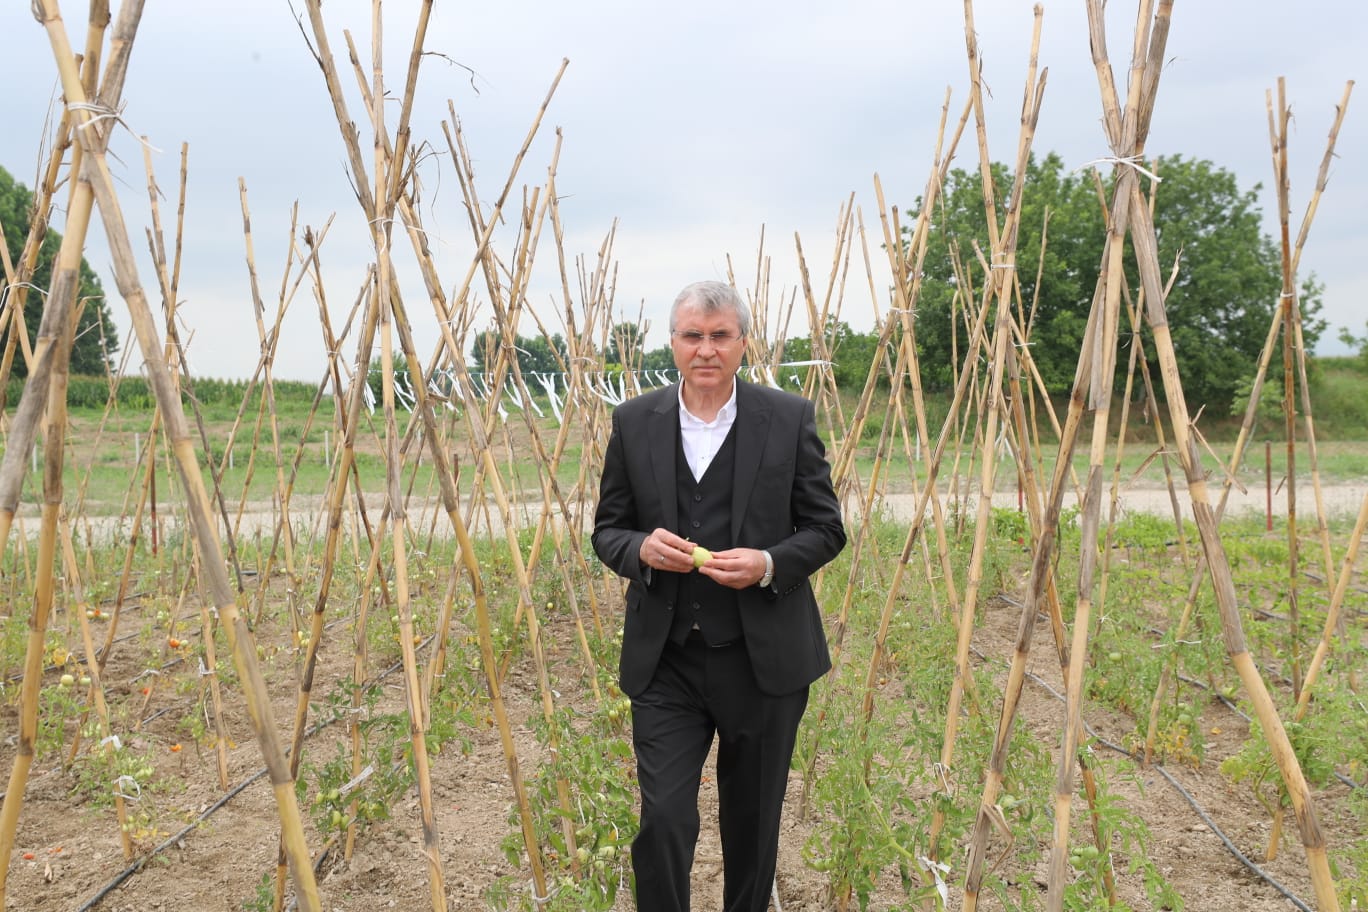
(87, 392)
(1224, 295)
(97, 340)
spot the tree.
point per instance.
(536, 354)
(1360, 343)
(1219, 309)
(97, 339)
(658, 359)
(624, 341)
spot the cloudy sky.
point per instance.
(694, 127)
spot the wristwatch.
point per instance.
(769, 570)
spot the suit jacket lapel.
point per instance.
(663, 432)
(751, 429)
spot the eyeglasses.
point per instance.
(694, 338)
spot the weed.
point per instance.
(263, 898)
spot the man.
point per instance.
(723, 643)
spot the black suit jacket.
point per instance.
(782, 501)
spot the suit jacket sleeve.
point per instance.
(818, 533)
(617, 533)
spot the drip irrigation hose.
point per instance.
(140, 863)
(1230, 846)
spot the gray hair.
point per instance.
(711, 297)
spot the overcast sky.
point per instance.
(694, 126)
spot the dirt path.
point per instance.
(1340, 500)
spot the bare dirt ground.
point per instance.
(68, 851)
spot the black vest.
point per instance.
(705, 519)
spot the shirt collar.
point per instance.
(726, 412)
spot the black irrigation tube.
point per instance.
(140, 863)
(1230, 846)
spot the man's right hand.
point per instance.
(663, 550)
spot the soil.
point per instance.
(75, 849)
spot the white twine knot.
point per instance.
(99, 112)
(1132, 161)
(123, 782)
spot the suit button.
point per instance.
(698, 498)
(696, 524)
(696, 606)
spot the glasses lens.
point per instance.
(717, 339)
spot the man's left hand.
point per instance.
(735, 568)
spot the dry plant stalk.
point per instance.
(240, 638)
(1125, 141)
(45, 392)
(1294, 373)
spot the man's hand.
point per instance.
(737, 568)
(663, 550)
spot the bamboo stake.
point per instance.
(1322, 179)
(96, 690)
(506, 320)
(57, 312)
(1042, 555)
(240, 638)
(439, 457)
(1245, 433)
(1294, 370)
(1286, 303)
(1125, 133)
(45, 391)
(1142, 234)
(998, 286)
(33, 241)
(267, 344)
(42, 600)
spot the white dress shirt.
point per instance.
(702, 439)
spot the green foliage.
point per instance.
(1219, 309)
(852, 353)
(263, 897)
(340, 799)
(1353, 881)
(134, 393)
(1268, 413)
(1126, 837)
(1358, 342)
(99, 774)
(594, 755)
(658, 359)
(97, 339)
(1337, 394)
(536, 354)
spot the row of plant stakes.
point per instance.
(537, 529)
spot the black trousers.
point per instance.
(699, 692)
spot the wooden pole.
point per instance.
(96, 170)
